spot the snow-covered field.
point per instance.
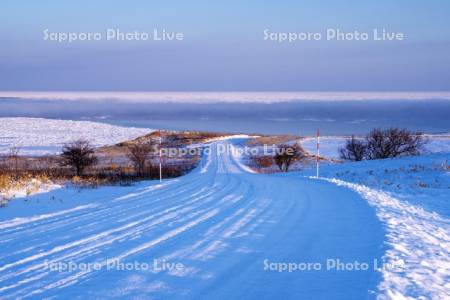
(329, 145)
(34, 136)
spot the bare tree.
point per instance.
(4, 162)
(279, 161)
(393, 142)
(286, 154)
(78, 155)
(354, 149)
(13, 157)
(379, 144)
(139, 154)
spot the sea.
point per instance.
(271, 113)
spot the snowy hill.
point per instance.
(35, 136)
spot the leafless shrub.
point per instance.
(139, 154)
(393, 142)
(380, 144)
(3, 163)
(14, 159)
(354, 150)
(286, 154)
(78, 155)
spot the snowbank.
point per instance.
(32, 187)
(418, 260)
(410, 195)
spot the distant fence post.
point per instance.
(318, 152)
(160, 156)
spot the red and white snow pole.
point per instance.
(160, 156)
(318, 153)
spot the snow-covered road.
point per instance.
(224, 227)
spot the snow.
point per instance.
(438, 144)
(229, 137)
(35, 186)
(421, 180)
(35, 136)
(410, 195)
(21, 221)
(219, 222)
(419, 245)
(225, 225)
(238, 157)
(330, 145)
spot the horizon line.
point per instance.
(226, 96)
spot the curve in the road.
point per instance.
(220, 222)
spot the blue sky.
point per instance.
(223, 49)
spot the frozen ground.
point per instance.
(36, 136)
(231, 231)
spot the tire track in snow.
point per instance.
(27, 220)
(233, 213)
(127, 228)
(142, 195)
(99, 216)
(109, 232)
(100, 211)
